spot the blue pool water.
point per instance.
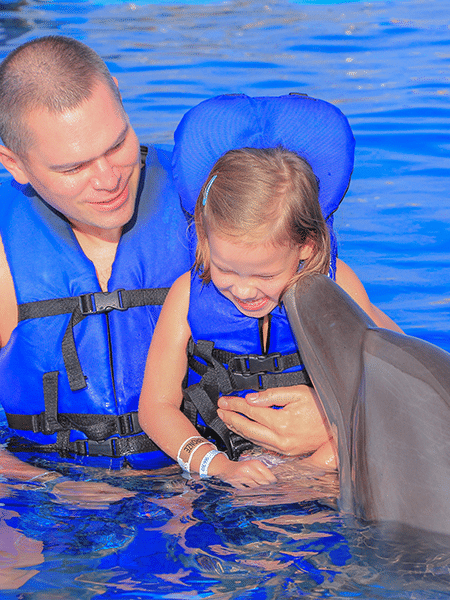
(386, 65)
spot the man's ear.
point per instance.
(12, 163)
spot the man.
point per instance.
(73, 372)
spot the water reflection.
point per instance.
(174, 537)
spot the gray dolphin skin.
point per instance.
(387, 398)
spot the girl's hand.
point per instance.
(245, 474)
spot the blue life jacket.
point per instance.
(318, 132)
(72, 371)
(227, 355)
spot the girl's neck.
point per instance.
(264, 332)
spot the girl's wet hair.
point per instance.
(262, 195)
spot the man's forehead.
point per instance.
(80, 134)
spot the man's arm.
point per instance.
(347, 279)
(8, 312)
(13, 468)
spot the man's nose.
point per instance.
(104, 177)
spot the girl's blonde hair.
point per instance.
(262, 195)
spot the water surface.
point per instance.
(386, 65)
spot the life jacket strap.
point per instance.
(248, 371)
(93, 303)
(96, 427)
(244, 372)
(114, 447)
(108, 435)
(81, 307)
(202, 398)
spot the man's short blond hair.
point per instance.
(54, 73)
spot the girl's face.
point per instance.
(253, 276)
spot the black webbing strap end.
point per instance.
(49, 423)
(77, 380)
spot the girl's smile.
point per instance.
(252, 276)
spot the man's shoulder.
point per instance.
(14, 201)
(10, 188)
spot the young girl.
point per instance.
(260, 230)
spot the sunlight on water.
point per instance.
(385, 64)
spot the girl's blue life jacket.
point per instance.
(226, 355)
(229, 355)
(72, 371)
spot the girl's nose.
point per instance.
(244, 291)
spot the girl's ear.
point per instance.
(307, 249)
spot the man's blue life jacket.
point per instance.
(72, 371)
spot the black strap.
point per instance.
(114, 447)
(50, 422)
(247, 363)
(95, 427)
(108, 435)
(248, 371)
(93, 303)
(81, 307)
(203, 397)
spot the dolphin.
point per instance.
(387, 398)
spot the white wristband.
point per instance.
(186, 466)
(192, 454)
(206, 461)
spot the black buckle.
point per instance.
(129, 424)
(254, 363)
(247, 382)
(43, 423)
(103, 448)
(101, 302)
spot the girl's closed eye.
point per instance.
(223, 270)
